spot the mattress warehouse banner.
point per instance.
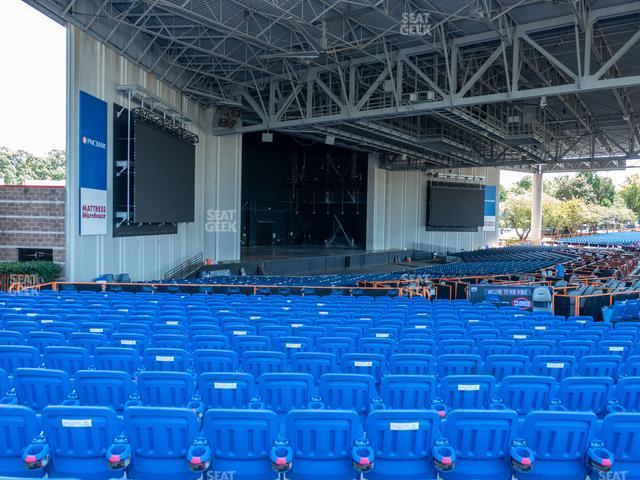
(93, 165)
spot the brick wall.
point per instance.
(31, 217)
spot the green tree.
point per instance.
(522, 186)
(589, 187)
(630, 193)
(516, 213)
(20, 165)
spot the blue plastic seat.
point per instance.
(339, 346)
(402, 441)
(118, 359)
(556, 366)
(314, 363)
(501, 366)
(408, 392)
(215, 361)
(240, 441)
(495, 347)
(577, 348)
(412, 364)
(620, 433)
(455, 347)
(322, 441)
(417, 345)
(40, 340)
(382, 346)
(344, 391)
(282, 392)
(10, 337)
(533, 348)
(622, 348)
(525, 393)
(166, 360)
(88, 340)
(257, 363)
(79, 438)
(226, 390)
(599, 366)
(105, 388)
(559, 441)
(467, 391)
(137, 341)
(458, 365)
(170, 340)
(19, 426)
(373, 364)
(69, 359)
(210, 342)
(160, 439)
(481, 441)
(585, 394)
(38, 387)
(165, 389)
(627, 393)
(18, 356)
(245, 343)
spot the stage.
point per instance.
(310, 260)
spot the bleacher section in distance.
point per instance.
(162, 386)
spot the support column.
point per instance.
(376, 186)
(536, 207)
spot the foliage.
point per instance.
(20, 165)
(630, 193)
(48, 271)
(586, 186)
(522, 186)
(516, 213)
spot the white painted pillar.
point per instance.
(536, 207)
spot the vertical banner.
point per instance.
(92, 162)
(490, 208)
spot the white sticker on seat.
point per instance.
(239, 332)
(165, 358)
(46, 321)
(420, 327)
(616, 349)
(555, 365)
(322, 312)
(421, 314)
(539, 327)
(382, 335)
(172, 322)
(255, 317)
(297, 325)
(519, 337)
(468, 388)
(362, 364)
(96, 330)
(474, 320)
(31, 314)
(403, 427)
(223, 311)
(128, 342)
(77, 422)
(293, 345)
(225, 385)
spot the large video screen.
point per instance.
(455, 207)
(164, 176)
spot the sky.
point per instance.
(33, 94)
(32, 79)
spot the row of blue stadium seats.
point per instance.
(281, 392)
(535, 361)
(154, 443)
(604, 239)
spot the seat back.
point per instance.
(38, 387)
(160, 439)
(458, 365)
(556, 366)
(339, 346)
(402, 442)
(620, 433)
(343, 391)
(525, 393)
(559, 441)
(241, 440)
(467, 391)
(69, 359)
(257, 363)
(19, 426)
(18, 356)
(481, 441)
(364, 363)
(321, 441)
(166, 359)
(282, 392)
(501, 366)
(585, 394)
(412, 364)
(215, 361)
(79, 438)
(165, 389)
(106, 388)
(599, 366)
(408, 392)
(628, 393)
(315, 364)
(226, 390)
(495, 347)
(117, 359)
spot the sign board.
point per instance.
(520, 296)
(92, 162)
(490, 214)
